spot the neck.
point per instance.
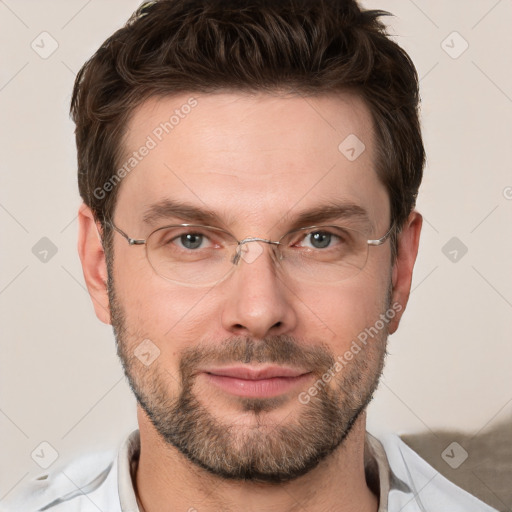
(167, 480)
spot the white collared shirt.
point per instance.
(102, 482)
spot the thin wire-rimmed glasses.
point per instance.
(197, 255)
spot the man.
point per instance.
(249, 171)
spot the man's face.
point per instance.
(257, 163)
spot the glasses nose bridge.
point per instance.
(241, 243)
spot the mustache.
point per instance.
(277, 349)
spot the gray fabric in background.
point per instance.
(486, 472)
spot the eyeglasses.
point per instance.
(196, 255)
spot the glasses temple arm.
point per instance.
(380, 241)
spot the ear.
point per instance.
(94, 265)
(407, 248)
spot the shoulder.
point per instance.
(88, 483)
(425, 488)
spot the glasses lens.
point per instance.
(194, 255)
(199, 255)
(324, 254)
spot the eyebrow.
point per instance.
(167, 209)
(332, 212)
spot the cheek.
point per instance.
(172, 317)
(338, 314)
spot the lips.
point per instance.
(253, 382)
(248, 373)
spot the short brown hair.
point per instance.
(306, 47)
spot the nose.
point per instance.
(258, 302)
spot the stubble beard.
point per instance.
(265, 451)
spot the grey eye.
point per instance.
(320, 239)
(191, 240)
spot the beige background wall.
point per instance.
(450, 362)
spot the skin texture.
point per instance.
(257, 162)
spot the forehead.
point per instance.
(250, 158)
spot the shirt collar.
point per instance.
(127, 460)
(377, 470)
